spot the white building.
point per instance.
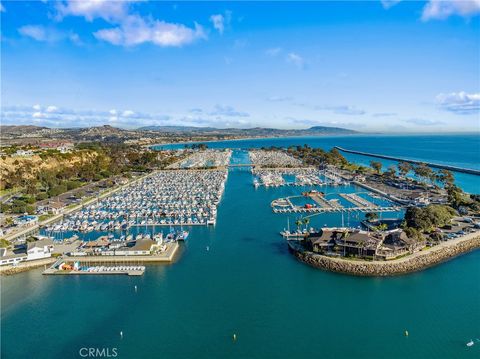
(39, 249)
(11, 259)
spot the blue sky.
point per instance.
(393, 66)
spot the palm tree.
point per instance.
(306, 221)
(298, 222)
(345, 235)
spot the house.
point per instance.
(323, 241)
(142, 247)
(343, 241)
(39, 249)
(358, 243)
(55, 207)
(9, 258)
(63, 147)
(23, 153)
(397, 243)
(26, 220)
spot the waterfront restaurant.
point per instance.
(359, 243)
(323, 241)
(397, 243)
(344, 241)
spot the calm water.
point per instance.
(246, 283)
(456, 150)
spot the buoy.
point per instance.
(121, 334)
(234, 337)
(135, 289)
(208, 248)
(406, 333)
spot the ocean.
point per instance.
(239, 278)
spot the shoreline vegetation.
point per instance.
(409, 264)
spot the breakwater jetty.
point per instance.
(411, 263)
(393, 158)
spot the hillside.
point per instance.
(255, 132)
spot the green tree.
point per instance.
(404, 168)
(428, 218)
(377, 166)
(391, 171)
(445, 177)
(423, 172)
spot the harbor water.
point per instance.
(461, 150)
(238, 279)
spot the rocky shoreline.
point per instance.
(412, 263)
(26, 266)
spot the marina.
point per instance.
(264, 158)
(167, 198)
(317, 202)
(242, 265)
(204, 159)
(302, 176)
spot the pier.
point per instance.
(398, 159)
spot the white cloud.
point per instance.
(128, 113)
(106, 9)
(387, 4)
(442, 9)
(64, 117)
(229, 111)
(2, 8)
(460, 103)
(34, 31)
(134, 30)
(47, 34)
(220, 21)
(295, 59)
(131, 29)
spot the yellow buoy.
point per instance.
(406, 333)
(234, 337)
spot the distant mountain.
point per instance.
(20, 130)
(176, 129)
(107, 133)
(255, 131)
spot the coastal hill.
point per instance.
(25, 134)
(255, 131)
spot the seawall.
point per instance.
(412, 263)
(433, 165)
(26, 266)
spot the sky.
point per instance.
(387, 66)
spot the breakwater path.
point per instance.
(393, 158)
(411, 263)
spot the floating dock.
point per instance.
(285, 205)
(100, 270)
